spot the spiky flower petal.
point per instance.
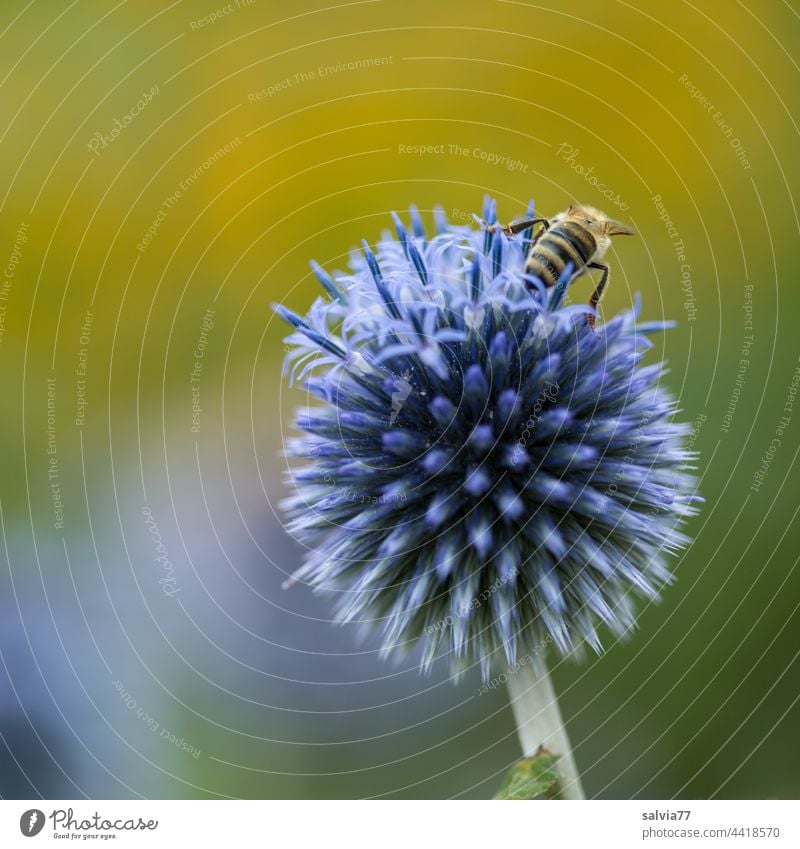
(487, 474)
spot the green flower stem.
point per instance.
(539, 724)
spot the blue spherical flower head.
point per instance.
(484, 472)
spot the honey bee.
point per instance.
(580, 235)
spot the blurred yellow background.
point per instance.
(168, 170)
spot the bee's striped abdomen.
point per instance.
(562, 243)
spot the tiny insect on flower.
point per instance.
(544, 480)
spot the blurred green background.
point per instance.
(161, 161)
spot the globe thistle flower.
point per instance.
(485, 473)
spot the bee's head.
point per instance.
(597, 222)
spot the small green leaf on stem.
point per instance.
(531, 778)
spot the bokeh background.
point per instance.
(167, 171)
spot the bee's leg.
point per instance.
(517, 226)
(598, 291)
(542, 231)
